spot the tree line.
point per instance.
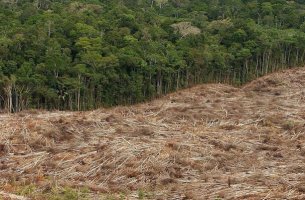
(81, 55)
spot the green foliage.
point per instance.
(27, 190)
(67, 194)
(81, 55)
(141, 194)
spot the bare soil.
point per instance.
(211, 141)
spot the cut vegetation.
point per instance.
(209, 142)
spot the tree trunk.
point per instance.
(9, 97)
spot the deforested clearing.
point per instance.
(211, 141)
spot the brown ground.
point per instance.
(209, 142)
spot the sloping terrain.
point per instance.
(212, 141)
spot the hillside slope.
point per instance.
(211, 141)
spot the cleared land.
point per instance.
(212, 141)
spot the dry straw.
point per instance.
(210, 141)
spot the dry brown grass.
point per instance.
(211, 141)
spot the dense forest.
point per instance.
(84, 54)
